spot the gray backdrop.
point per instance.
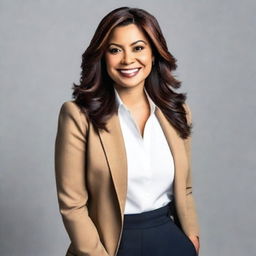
(41, 46)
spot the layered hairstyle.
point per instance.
(95, 94)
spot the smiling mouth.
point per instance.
(128, 71)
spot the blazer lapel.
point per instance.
(177, 147)
(114, 147)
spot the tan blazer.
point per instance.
(91, 180)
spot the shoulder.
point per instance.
(70, 110)
(69, 107)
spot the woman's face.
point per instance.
(128, 56)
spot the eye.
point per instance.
(139, 48)
(113, 50)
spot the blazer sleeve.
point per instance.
(70, 162)
(191, 206)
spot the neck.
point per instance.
(132, 97)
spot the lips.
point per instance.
(129, 72)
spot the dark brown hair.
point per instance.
(95, 93)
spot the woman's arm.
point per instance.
(194, 236)
(70, 162)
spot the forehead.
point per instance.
(126, 34)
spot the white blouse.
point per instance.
(149, 159)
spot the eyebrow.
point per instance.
(130, 44)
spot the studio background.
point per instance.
(41, 46)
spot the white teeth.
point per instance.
(129, 71)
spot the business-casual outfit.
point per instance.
(148, 222)
(106, 208)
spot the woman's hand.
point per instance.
(195, 241)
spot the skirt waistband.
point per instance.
(149, 218)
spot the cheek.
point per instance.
(111, 62)
(146, 60)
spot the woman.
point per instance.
(122, 150)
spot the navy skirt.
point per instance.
(154, 233)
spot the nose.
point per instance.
(128, 58)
